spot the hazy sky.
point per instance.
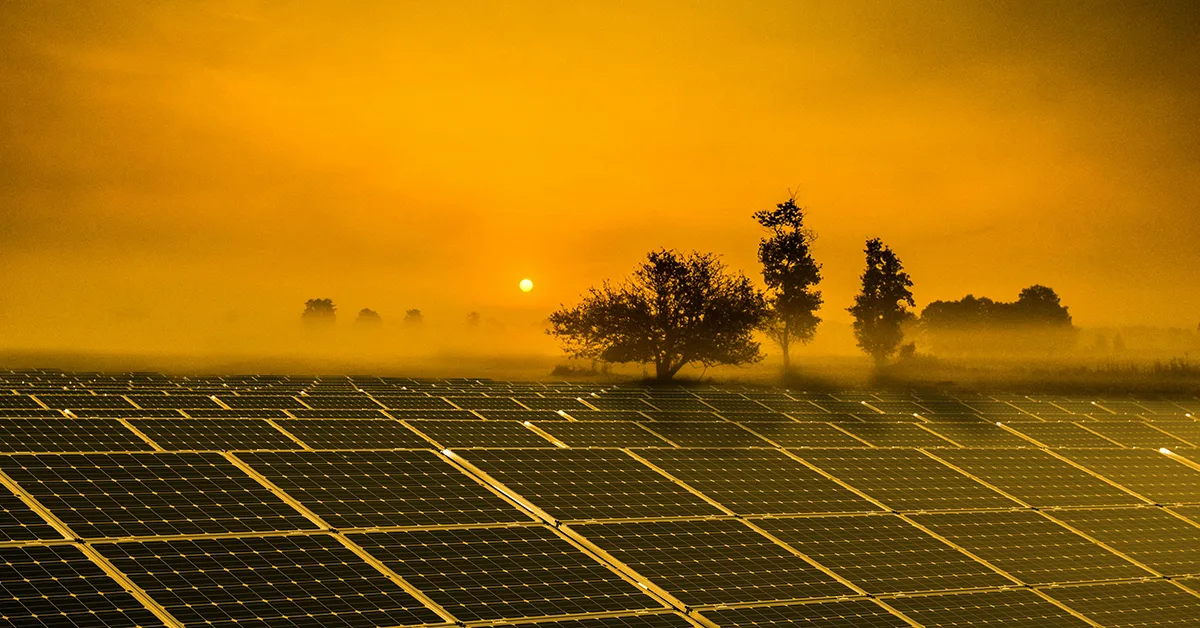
(179, 166)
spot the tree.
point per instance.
(368, 318)
(319, 312)
(473, 319)
(674, 310)
(879, 310)
(791, 276)
(413, 317)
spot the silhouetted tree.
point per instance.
(413, 317)
(368, 318)
(473, 319)
(319, 311)
(673, 311)
(791, 276)
(879, 310)
(1036, 320)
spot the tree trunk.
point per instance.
(785, 340)
(662, 371)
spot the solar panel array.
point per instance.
(139, 499)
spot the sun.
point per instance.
(526, 285)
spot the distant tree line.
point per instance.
(678, 309)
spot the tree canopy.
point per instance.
(674, 310)
(319, 311)
(1036, 306)
(791, 275)
(880, 308)
(368, 317)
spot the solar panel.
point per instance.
(414, 402)
(582, 484)
(281, 402)
(325, 413)
(64, 434)
(606, 415)
(896, 435)
(120, 495)
(1005, 609)
(18, 522)
(1147, 473)
(628, 621)
(1186, 430)
(841, 614)
(174, 402)
(864, 416)
(618, 403)
(486, 403)
(455, 434)
(299, 580)
(1030, 547)
(602, 434)
(668, 416)
(449, 415)
(31, 413)
(58, 585)
(1135, 434)
(804, 435)
(341, 402)
(552, 403)
(1037, 478)
(1151, 603)
(707, 434)
(377, 489)
(213, 434)
(882, 554)
(17, 401)
(1150, 536)
(906, 480)
(682, 404)
(979, 435)
(504, 573)
(1062, 435)
(757, 481)
(353, 434)
(240, 413)
(77, 401)
(712, 562)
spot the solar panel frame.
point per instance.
(481, 434)
(213, 434)
(616, 434)
(68, 435)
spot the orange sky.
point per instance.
(179, 168)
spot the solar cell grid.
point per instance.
(484, 434)
(446, 415)
(582, 484)
(76, 402)
(340, 402)
(845, 614)
(793, 406)
(712, 562)
(60, 586)
(804, 435)
(1150, 603)
(896, 435)
(1020, 608)
(742, 417)
(1148, 535)
(520, 415)
(173, 402)
(119, 495)
(376, 489)
(1037, 478)
(30, 413)
(552, 403)
(279, 402)
(241, 413)
(602, 434)
(1135, 434)
(324, 413)
(1030, 547)
(670, 416)
(414, 402)
(486, 403)
(1062, 435)
(680, 404)
(883, 554)
(906, 480)
(62, 434)
(1188, 430)
(763, 481)
(504, 573)
(630, 621)
(695, 434)
(353, 434)
(1150, 474)
(18, 522)
(18, 401)
(607, 415)
(618, 403)
(213, 434)
(309, 580)
(979, 435)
